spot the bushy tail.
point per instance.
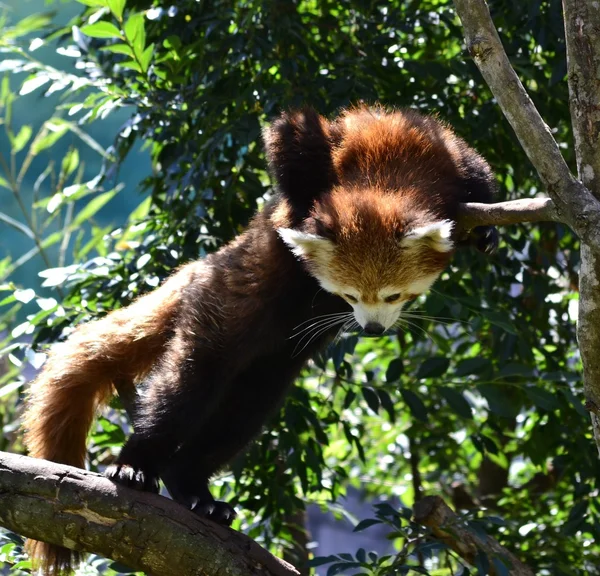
(78, 377)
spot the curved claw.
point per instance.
(132, 478)
(486, 239)
(219, 512)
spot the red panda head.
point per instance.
(363, 249)
(371, 201)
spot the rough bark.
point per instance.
(574, 203)
(504, 213)
(84, 511)
(433, 512)
(582, 33)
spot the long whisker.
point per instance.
(402, 321)
(319, 323)
(310, 336)
(345, 327)
(439, 320)
(316, 294)
(322, 316)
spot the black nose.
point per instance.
(374, 329)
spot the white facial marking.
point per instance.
(437, 235)
(384, 314)
(422, 284)
(303, 244)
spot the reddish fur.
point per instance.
(78, 377)
(361, 183)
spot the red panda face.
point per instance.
(372, 256)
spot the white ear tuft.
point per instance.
(303, 244)
(437, 235)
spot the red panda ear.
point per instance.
(436, 235)
(298, 146)
(305, 244)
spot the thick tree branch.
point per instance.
(85, 511)
(574, 203)
(582, 33)
(433, 512)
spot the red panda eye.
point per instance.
(351, 298)
(392, 298)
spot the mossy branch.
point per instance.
(434, 513)
(84, 511)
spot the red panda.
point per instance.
(362, 222)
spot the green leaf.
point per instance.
(132, 65)
(101, 30)
(371, 398)
(173, 42)
(52, 239)
(116, 7)
(141, 211)
(70, 162)
(4, 183)
(576, 402)
(93, 3)
(497, 401)
(28, 25)
(394, 370)
(542, 398)
(93, 206)
(470, 366)
(457, 402)
(349, 398)
(387, 403)
(119, 49)
(415, 404)
(364, 524)
(120, 568)
(21, 139)
(48, 140)
(433, 367)
(499, 319)
(34, 82)
(516, 369)
(146, 57)
(321, 560)
(9, 388)
(135, 33)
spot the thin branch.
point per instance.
(16, 191)
(433, 512)
(84, 511)
(504, 213)
(574, 203)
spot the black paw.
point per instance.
(219, 512)
(485, 238)
(132, 478)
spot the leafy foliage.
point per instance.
(478, 398)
